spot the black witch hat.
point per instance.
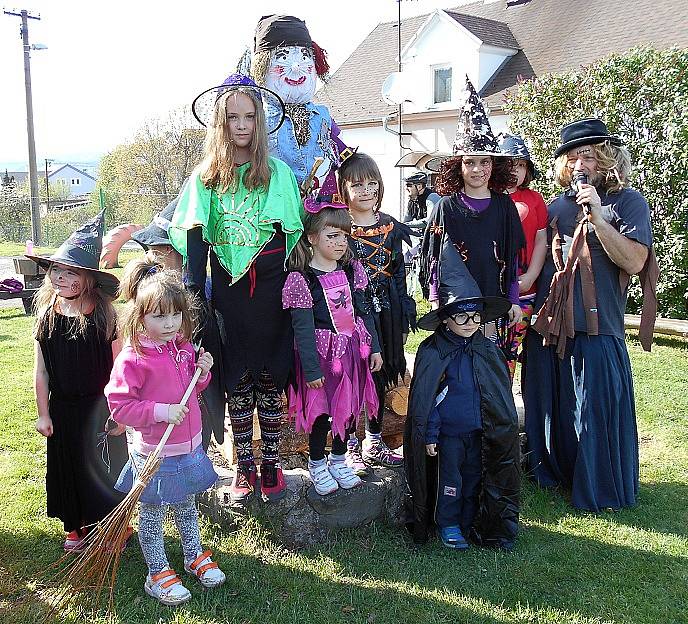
(458, 292)
(82, 250)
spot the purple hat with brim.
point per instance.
(327, 196)
(203, 107)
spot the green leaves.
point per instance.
(642, 96)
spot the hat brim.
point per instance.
(435, 162)
(107, 282)
(494, 308)
(203, 106)
(150, 236)
(590, 140)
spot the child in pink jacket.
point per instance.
(148, 380)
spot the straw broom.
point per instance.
(95, 568)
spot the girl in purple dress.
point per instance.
(337, 347)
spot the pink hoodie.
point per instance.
(142, 387)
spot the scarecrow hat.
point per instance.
(82, 251)
(459, 292)
(327, 196)
(515, 147)
(275, 31)
(585, 132)
(203, 107)
(155, 233)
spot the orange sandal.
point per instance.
(206, 570)
(167, 588)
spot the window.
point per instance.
(76, 181)
(442, 84)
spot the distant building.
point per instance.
(496, 43)
(74, 180)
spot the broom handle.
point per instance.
(192, 384)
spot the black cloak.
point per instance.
(496, 522)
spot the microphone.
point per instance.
(577, 179)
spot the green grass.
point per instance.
(19, 249)
(568, 567)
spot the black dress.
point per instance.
(79, 483)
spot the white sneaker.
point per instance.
(344, 475)
(322, 479)
(167, 588)
(206, 570)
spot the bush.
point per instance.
(642, 96)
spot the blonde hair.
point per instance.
(103, 315)
(356, 168)
(613, 165)
(148, 287)
(302, 254)
(217, 166)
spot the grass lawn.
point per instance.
(568, 567)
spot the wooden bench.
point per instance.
(666, 326)
(32, 275)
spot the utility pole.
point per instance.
(36, 233)
(47, 186)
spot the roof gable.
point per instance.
(73, 168)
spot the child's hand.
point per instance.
(375, 362)
(316, 383)
(431, 449)
(176, 413)
(205, 361)
(515, 315)
(44, 426)
(118, 429)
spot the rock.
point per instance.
(302, 517)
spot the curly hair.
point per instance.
(450, 179)
(613, 165)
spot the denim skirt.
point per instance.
(177, 477)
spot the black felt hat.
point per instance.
(155, 233)
(82, 250)
(458, 290)
(585, 132)
(274, 31)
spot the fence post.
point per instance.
(101, 202)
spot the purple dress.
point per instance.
(337, 349)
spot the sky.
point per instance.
(110, 66)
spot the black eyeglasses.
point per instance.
(463, 317)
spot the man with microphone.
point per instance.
(577, 384)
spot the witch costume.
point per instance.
(83, 461)
(249, 234)
(487, 233)
(461, 396)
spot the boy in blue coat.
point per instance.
(461, 436)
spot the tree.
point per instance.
(140, 177)
(642, 97)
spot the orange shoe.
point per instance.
(74, 543)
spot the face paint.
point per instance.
(330, 243)
(291, 74)
(65, 280)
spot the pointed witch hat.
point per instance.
(474, 136)
(82, 251)
(327, 196)
(459, 292)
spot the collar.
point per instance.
(448, 343)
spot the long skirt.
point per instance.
(580, 420)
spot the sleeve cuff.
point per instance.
(160, 412)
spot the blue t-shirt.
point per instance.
(629, 213)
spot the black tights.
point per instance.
(317, 439)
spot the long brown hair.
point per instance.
(217, 166)
(450, 179)
(300, 257)
(613, 165)
(358, 167)
(103, 315)
(148, 287)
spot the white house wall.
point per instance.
(383, 147)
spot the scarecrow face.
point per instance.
(291, 74)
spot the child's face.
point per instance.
(330, 243)
(67, 281)
(476, 172)
(519, 168)
(162, 327)
(241, 119)
(464, 324)
(362, 195)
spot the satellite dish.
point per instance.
(398, 88)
